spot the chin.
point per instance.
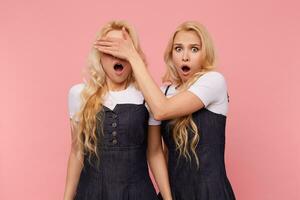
(120, 80)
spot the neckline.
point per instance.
(121, 104)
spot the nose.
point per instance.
(185, 56)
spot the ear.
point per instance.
(125, 34)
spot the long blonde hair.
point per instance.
(95, 89)
(182, 125)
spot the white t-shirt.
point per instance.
(211, 89)
(130, 95)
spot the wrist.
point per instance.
(134, 57)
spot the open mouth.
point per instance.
(185, 68)
(118, 67)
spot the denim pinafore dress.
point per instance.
(121, 172)
(208, 181)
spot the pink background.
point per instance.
(43, 49)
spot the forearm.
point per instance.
(158, 167)
(152, 93)
(73, 174)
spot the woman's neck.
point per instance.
(113, 86)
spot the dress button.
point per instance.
(114, 116)
(115, 141)
(114, 124)
(114, 133)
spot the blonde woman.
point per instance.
(193, 113)
(108, 159)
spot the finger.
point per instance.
(114, 53)
(109, 39)
(106, 51)
(101, 48)
(104, 43)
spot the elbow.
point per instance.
(159, 115)
(161, 110)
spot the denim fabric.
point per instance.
(208, 181)
(121, 172)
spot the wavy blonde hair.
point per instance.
(86, 139)
(182, 125)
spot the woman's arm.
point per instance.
(166, 151)
(73, 171)
(157, 161)
(162, 108)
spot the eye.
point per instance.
(178, 49)
(195, 49)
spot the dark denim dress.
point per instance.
(209, 181)
(121, 173)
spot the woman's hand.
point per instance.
(120, 48)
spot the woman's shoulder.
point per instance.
(74, 99)
(75, 91)
(214, 75)
(212, 79)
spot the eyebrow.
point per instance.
(189, 44)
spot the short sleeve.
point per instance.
(74, 99)
(152, 121)
(210, 88)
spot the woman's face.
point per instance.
(117, 70)
(187, 55)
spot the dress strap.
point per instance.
(166, 91)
